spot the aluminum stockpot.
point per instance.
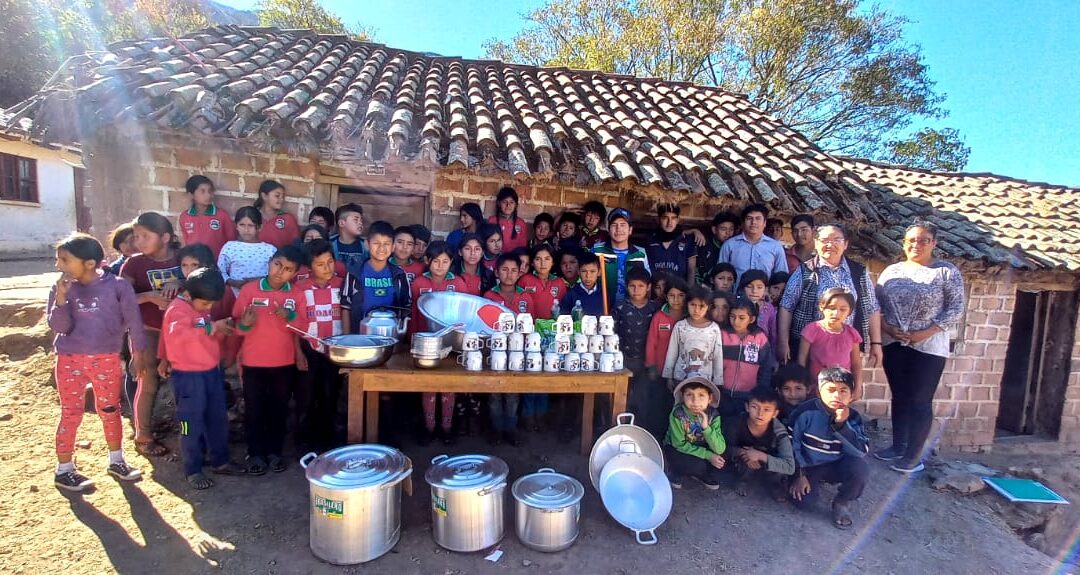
(355, 501)
(547, 510)
(467, 498)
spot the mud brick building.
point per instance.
(412, 136)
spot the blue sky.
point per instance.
(1010, 68)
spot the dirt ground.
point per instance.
(260, 525)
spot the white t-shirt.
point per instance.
(242, 260)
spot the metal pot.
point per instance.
(636, 493)
(467, 498)
(611, 443)
(355, 498)
(445, 308)
(385, 323)
(355, 350)
(547, 509)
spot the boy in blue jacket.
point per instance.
(830, 446)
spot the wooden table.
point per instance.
(400, 375)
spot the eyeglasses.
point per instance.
(919, 241)
(830, 241)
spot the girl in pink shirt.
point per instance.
(829, 342)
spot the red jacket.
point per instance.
(508, 229)
(660, 330)
(743, 358)
(280, 230)
(185, 338)
(424, 284)
(213, 228)
(268, 343)
(545, 292)
(521, 302)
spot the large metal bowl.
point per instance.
(445, 308)
(354, 350)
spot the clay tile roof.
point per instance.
(996, 219)
(296, 90)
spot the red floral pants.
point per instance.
(105, 373)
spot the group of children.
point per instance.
(258, 292)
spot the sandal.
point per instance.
(200, 481)
(228, 468)
(841, 516)
(255, 465)
(277, 464)
(151, 449)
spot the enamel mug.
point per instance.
(588, 324)
(607, 325)
(533, 341)
(611, 343)
(588, 362)
(571, 362)
(507, 323)
(581, 343)
(472, 360)
(562, 344)
(515, 360)
(515, 342)
(596, 344)
(497, 342)
(497, 361)
(534, 361)
(564, 325)
(607, 362)
(525, 323)
(551, 362)
(471, 341)
(618, 360)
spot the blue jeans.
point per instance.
(502, 408)
(533, 404)
(204, 425)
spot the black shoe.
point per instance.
(889, 454)
(73, 481)
(124, 472)
(708, 482)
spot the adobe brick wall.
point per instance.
(1070, 416)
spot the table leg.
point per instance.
(373, 417)
(588, 406)
(355, 424)
(618, 403)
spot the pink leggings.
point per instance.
(105, 374)
(447, 410)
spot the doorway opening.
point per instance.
(398, 207)
(1037, 364)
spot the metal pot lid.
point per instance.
(466, 472)
(547, 489)
(358, 466)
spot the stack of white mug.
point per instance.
(516, 346)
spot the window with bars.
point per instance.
(18, 178)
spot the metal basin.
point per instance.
(445, 308)
(624, 437)
(637, 494)
(353, 350)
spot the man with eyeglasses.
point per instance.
(752, 249)
(829, 269)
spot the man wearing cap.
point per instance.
(617, 255)
(670, 250)
(752, 249)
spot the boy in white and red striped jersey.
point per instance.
(317, 395)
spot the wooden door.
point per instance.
(398, 207)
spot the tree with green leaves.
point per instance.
(308, 15)
(930, 150)
(840, 73)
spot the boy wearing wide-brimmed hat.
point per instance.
(694, 444)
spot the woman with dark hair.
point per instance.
(506, 217)
(471, 218)
(921, 299)
(279, 228)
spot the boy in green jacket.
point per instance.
(695, 442)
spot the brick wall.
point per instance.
(1070, 415)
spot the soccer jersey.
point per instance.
(213, 227)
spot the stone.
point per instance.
(959, 482)
(5, 417)
(525, 562)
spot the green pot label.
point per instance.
(330, 508)
(438, 504)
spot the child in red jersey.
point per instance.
(492, 237)
(663, 325)
(542, 284)
(503, 407)
(403, 253)
(507, 292)
(190, 356)
(204, 222)
(469, 268)
(279, 228)
(514, 233)
(437, 278)
(317, 396)
(268, 357)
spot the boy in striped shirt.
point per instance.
(318, 393)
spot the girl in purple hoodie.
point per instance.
(90, 311)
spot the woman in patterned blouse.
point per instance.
(921, 299)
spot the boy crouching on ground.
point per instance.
(759, 445)
(190, 353)
(694, 443)
(830, 446)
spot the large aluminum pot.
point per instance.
(355, 498)
(467, 498)
(445, 308)
(547, 509)
(615, 440)
(636, 493)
